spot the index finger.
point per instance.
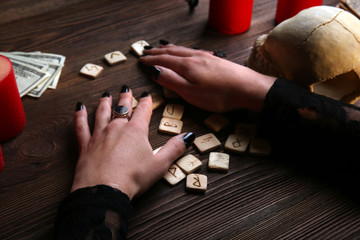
(171, 50)
(175, 63)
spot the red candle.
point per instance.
(12, 116)
(289, 8)
(230, 16)
(1, 160)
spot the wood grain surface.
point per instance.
(259, 198)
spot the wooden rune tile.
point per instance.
(237, 143)
(115, 57)
(170, 94)
(156, 150)
(219, 161)
(246, 129)
(174, 175)
(157, 101)
(138, 47)
(196, 182)
(91, 70)
(260, 147)
(217, 122)
(189, 163)
(173, 111)
(207, 143)
(170, 125)
(134, 103)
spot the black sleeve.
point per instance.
(99, 212)
(311, 129)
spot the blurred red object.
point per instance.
(289, 8)
(230, 16)
(12, 120)
(1, 160)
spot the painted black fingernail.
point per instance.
(220, 54)
(148, 47)
(189, 139)
(155, 72)
(124, 89)
(144, 94)
(163, 42)
(105, 94)
(79, 106)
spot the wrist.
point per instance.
(252, 92)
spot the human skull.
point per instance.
(319, 48)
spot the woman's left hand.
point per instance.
(119, 154)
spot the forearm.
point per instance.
(99, 212)
(252, 88)
(309, 125)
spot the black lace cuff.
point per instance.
(99, 212)
(311, 127)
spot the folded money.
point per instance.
(35, 71)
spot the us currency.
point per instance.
(52, 64)
(28, 77)
(46, 57)
(56, 60)
(27, 61)
(54, 71)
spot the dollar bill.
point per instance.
(50, 63)
(46, 57)
(28, 61)
(54, 71)
(28, 77)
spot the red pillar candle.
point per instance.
(289, 8)
(12, 116)
(230, 16)
(1, 160)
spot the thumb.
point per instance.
(175, 147)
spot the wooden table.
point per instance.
(258, 198)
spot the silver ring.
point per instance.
(120, 112)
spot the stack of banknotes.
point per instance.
(35, 72)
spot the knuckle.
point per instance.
(80, 127)
(102, 108)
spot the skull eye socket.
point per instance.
(344, 87)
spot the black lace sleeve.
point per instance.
(311, 128)
(99, 212)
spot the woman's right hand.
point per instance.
(207, 81)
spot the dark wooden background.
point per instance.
(259, 198)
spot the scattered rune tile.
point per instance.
(173, 111)
(91, 70)
(196, 182)
(170, 126)
(219, 161)
(237, 143)
(157, 101)
(189, 163)
(207, 143)
(174, 175)
(260, 147)
(157, 150)
(134, 103)
(138, 47)
(246, 129)
(115, 57)
(170, 94)
(217, 122)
